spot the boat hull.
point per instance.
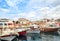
(22, 33)
(49, 29)
(8, 35)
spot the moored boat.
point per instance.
(50, 27)
(34, 29)
(5, 28)
(44, 29)
(21, 31)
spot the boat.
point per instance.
(33, 29)
(10, 38)
(5, 26)
(49, 27)
(21, 31)
(8, 28)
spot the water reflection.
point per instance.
(33, 37)
(40, 37)
(43, 37)
(50, 37)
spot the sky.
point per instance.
(29, 9)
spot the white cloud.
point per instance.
(36, 9)
(31, 14)
(54, 12)
(11, 3)
(36, 15)
(4, 10)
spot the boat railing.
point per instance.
(8, 31)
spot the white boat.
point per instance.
(34, 29)
(4, 28)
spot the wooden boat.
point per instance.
(45, 29)
(49, 28)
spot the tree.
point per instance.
(14, 22)
(17, 22)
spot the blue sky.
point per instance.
(30, 9)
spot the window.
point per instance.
(52, 25)
(9, 23)
(5, 24)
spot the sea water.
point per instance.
(43, 37)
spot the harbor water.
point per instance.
(43, 37)
(38, 37)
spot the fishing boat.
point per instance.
(49, 27)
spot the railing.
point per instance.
(8, 31)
